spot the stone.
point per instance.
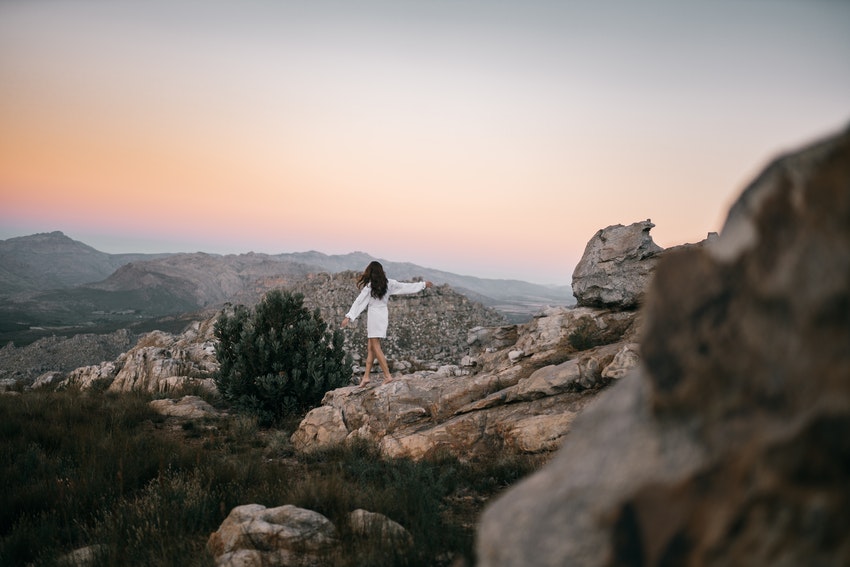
(47, 379)
(729, 444)
(539, 433)
(372, 525)
(84, 556)
(481, 339)
(515, 355)
(322, 427)
(576, 374)
(190, 407)
(616, 265)
(253, 535)
(87, 377)
(626, 359)
(161, 362)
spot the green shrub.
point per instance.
(278, 359)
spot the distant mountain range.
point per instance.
(52, 261)
(52, 284)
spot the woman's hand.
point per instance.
(428, 284)
(344, 322)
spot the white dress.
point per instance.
(377, 318)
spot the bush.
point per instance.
(278, 359)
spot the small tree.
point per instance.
(279, 358)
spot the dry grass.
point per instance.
(104, 469)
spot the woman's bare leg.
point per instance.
(370, 356)
(382, 360)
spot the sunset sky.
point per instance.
(483, 138)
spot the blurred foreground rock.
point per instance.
(732, 445)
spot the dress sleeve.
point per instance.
(400, 288)
(360, 303)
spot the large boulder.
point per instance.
(286, 536)
(731, 446)
(616, 265)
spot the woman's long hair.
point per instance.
(374, 276)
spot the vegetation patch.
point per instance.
(278, 358)
(106, 471)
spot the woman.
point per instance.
(376, 290)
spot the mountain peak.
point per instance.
(50, 260)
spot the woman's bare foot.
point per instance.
(389, 379)
(364, 382)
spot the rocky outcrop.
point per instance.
(92, 376)
(159, 362)
(730, 446)
(520, 396)
(616, 265)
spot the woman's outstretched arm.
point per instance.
(400, 288)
